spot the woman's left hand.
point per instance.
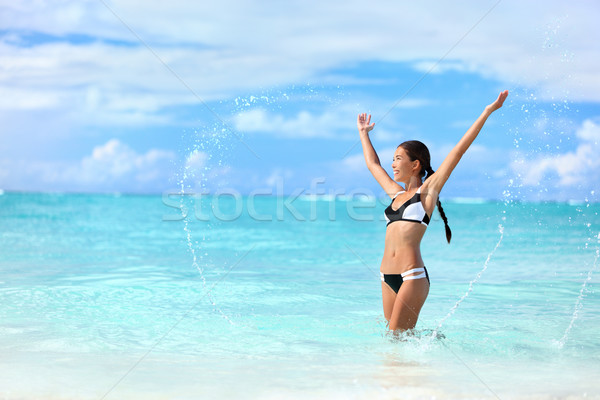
(499, 101)
(364, 123)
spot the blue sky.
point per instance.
(131, 96)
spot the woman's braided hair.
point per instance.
(418, 151)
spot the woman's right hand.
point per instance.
(498, 103)
(364, 123)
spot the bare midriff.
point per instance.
(402, 250)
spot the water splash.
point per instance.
(195, 259)
(546, 126)
(434, 335)
(203, 160)
(205, 166)
(579, 302)
(412, 335)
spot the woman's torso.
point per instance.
(403, 237)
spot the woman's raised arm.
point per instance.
(388, 184)
(438, 180)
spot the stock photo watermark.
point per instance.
(302, 204)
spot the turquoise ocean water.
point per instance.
(113, 297)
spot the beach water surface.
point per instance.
(119, 296)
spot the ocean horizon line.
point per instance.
(301, 197)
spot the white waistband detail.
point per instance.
(413, 271)
(408, 278)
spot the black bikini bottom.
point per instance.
(394, 281)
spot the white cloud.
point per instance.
(230, 46)
(69, 64)
(437, 67)
(115, 161)
(28, 99)
(113, 166)
(573, 168)
(302, 125)
(95, 84)
(338, 122)
(589, 132)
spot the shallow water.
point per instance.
(100, 298)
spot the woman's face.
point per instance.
(402, 166)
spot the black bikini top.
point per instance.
(412, 210)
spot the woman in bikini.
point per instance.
(404, 278)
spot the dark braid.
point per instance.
(430, 172)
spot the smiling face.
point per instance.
(403, 167)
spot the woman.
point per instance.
(404, 278)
